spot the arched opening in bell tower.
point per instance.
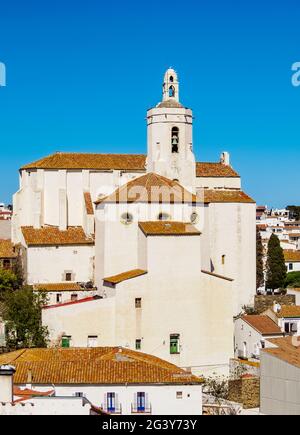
(172, 91)
(175, 140)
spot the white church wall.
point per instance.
(75, 198)
(233, 247)
(51, 198)
(81, 320)
(49, 264)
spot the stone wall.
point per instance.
(245, 391)
(263, 302)
(238, 367)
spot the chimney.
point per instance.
(276, 307)
(6, 383)
(225, 158)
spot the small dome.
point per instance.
(170, 104)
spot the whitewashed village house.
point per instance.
(287, 317)
(168, 242)
(252, 333)
(83, 381)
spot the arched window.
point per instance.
(175, 139)
(171, 79)
(171, 91)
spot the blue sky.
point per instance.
(81, 75)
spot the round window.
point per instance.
(164, 217)
(126, 218)
(194, 218)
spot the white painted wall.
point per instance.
(232, 232)
(244, 333)
(176, 299)
(162, 398)
(47, 406)
(48, 264)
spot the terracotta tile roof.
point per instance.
(59, 287)
(285, 350)
(291, 256)
(287, 311)
(88, 203)
(263, 324)
(7, 249)
(133, 162)
(116, 279)
(297, 235)
(206, 272)
(104, 365)
(150, 188)
(90, 161)
(168, 228)
(52, 236)
(207, 169)
(229, 196)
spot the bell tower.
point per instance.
(170, 136)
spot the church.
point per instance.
(168, 242)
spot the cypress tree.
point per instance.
(276, 269)
(259, 261)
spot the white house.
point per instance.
(114, 380)
(287, 318)
(280, 377)
(251, 335)
(187, 225)
(68, 292)
(292, 260)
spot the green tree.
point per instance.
(23, 318)
(292, 279)
(276, 269)
(294, 211)
(259, 261)
(8, 281)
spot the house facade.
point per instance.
(251, 335)
(114, 380)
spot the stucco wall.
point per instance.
(48, 264)
(280, 386)
(232, 233)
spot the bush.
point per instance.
(292, 279)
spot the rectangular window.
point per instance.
(174, 343)
(92, 340)
(141, 402)
(223, 259)
(138, 344)
(74, 297)
(291, 266)
(287, 328)
(58, 298)
(179, 395)
(66, 341)
(138, 303)
(111, 402)
(68, 276)
(294, 328)
(6, 264)
(78, 394)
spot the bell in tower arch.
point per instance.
(175, 139)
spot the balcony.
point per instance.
(115, 410)
(135, 409)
